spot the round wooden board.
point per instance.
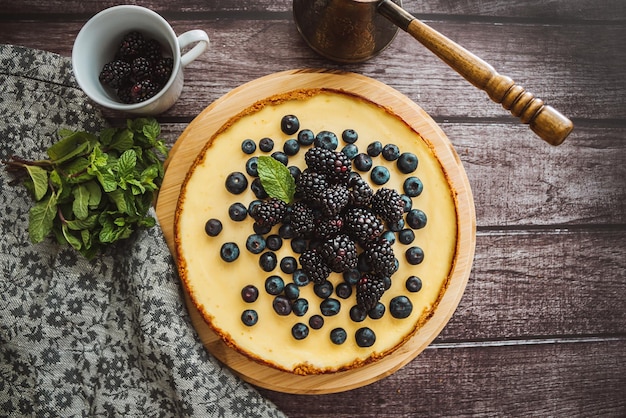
(193, 139)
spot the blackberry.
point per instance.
(123, 93)
(369, 290)
(141, 68)
(362, 224)
(339, 253)
(328, 227)
(143, 90)
(317, 159)
(131, 46)
(301, 219)
(270, 212)
(152, 50)
(388, 204)
(313, 266)
(311, 184)
(115, 74)
(162, 69)
(339, 168)
(360, 191)
(380, 258)
(333, 200)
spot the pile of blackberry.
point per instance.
(337, 224)
(139, 69)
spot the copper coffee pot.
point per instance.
(351, 31)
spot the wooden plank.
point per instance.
(545, 62)
(528, 284)
(545, 9)
(579, 378)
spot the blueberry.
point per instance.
(300, 331)
(389, 236)
(391, 152)
(408, 203)
(363, 162)
(258, 189)
(351, 276)
(407, 162)
(350, 150)
(365, 337)
(261, 229)
(379, 175)
(330, 307)
(268, 261)
(326, 139)
(416, 219)
(274, 285)
(288, 264)
(413, 284)
(248, 146)
(306, 137)
(413, 186)
(292, 292)
(286, 231)
(400, 307)
(274, 242)
(252, 166)
(377, 311)
(229, 251)
(387, 279)
(343, 290)
(281, 157)
(406, 236)
(298, 245)
(323, 290)
(249, 293)
(249, 317)
(358, 314)
(291, 147)
(253, 204)
(300, 307)
(213, 227)
(338, 336)
(300, 278)
(414, 255)
(374, 149)
(255, 243)
(316, 321)
(237, 212)
(281, 305)
(289, 124)
(294, 171)
(350, 136)
(396, 226)
(266, 144)
(236, 182)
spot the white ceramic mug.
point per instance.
(97, 41)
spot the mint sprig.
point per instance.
(94, 189)
(276, 179)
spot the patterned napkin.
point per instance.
(106, 337)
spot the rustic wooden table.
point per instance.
(541, 329)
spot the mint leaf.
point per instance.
(80, 206)
(151, 129)
(40, 180)
(71, 239)
(276, 179)
(41, 217)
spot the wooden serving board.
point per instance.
(193, 139)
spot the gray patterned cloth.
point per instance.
(106, 337)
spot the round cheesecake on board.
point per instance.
(268, 352)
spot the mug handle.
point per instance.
(190, 37)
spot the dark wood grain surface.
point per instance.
(541, 329)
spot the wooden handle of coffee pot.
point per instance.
(545, 121)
